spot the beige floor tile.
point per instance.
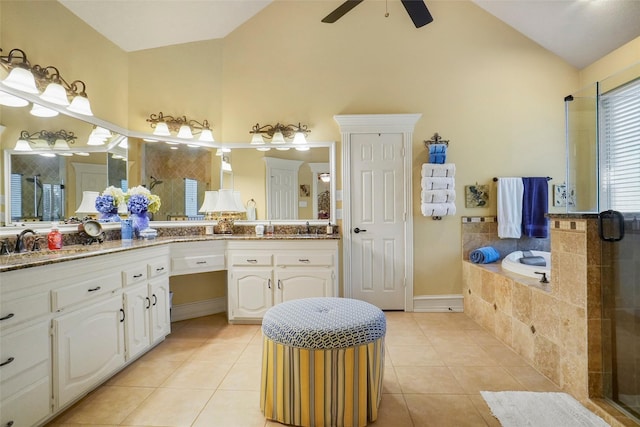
(234, 333)
(429, 410)
(504, 355)
(195, 333)
(170, 407)
(251, 354)
(393, 412)
(195, 374)
(532, 379)
(242, 376)
(176, 350)
(414, 355)
(145, 373)
(232, 409)
(390, 382)
(484, 410)
(482, 338)
(213, 351)
(474, 379)
(416, 339)
(442, 338)
(427, 379)
(467, 355)
(218, 320)
(106, 405)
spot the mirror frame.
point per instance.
(141, 135)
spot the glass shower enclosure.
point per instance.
(595, 185)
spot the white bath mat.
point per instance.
(531, 409)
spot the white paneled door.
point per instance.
(378, 219)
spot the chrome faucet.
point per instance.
(20, 241)
(308, 228)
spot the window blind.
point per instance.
(16, 196)
(620, 148)
(190, 197)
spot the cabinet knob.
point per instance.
(97, 288)
(269, 283)
(122, 311)
(148, 303)
(155, 299)
(252, 261)
(303, 260)
(137, 276)
(201, 262)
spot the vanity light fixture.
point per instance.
(98, 136)
(163, 125)
(279, 133)
(34, 79)
(325, 177)
(59, 140)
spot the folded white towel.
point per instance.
(438, 196)
(438, 209)
(435, 169)
(510, 191)
(437, 183)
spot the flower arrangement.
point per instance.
(140, 200)
(109, 200)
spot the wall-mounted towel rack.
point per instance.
(435, 139)
(495, 179)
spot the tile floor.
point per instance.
(207, 373)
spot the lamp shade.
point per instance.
(238, 199)
(88, 203)
(226, 201)
(23, 145)
(209, 202)
(56, 94)
(162, 129)
(9, 100)
(299, 138)
(206, 136)
(185, 132)
(40, 111)
(278, 138)
(21, 79)
(80, 105)
(257, 139)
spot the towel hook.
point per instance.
(435, 139)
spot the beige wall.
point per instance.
(496, 95)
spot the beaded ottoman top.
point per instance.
(324, 323)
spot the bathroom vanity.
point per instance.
(70, 320)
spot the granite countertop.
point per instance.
(72, 252)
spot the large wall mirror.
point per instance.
(282, 185)
(46, 183)
(44, 189)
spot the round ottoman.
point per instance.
(322, 362)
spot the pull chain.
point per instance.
(386, 8)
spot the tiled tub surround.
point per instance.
(556, 327)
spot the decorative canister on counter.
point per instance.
(127, 229)
(259, 230)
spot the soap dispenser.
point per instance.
(54, 238)
(329, 228)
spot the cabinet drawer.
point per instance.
(304, 259)
(208, 262)
(23, 349)
(28, 406)
(259, 259)
(86, 290)
(135, 274)
(157, 269)
(21, 309)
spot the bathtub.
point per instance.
(511, 263)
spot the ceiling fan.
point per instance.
(416, 9)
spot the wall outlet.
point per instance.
(208, 229)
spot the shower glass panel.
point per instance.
(582, 150)
(618, 121)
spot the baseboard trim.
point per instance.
(191, 310)
(438, 303)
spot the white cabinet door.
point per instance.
(160, 314)
(303, 283)
(137, 306)
(89, 346)
(250, 292)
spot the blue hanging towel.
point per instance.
(438, 153)
(484, 255)
(535, 205)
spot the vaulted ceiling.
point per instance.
(579, 31)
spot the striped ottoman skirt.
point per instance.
(322, 362)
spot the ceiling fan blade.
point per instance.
(418, 12)
(340, 11)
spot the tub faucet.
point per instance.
(20, 241)
(543, 279)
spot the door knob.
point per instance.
(357, 230)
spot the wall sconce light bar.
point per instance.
(279, 133)
(164, 125)
(34, 79)
(59, 140)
